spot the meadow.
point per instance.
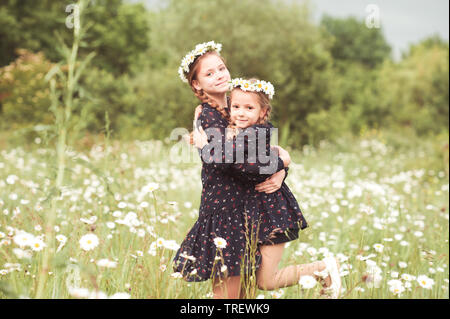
(378, 202)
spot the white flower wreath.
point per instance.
(256, 86)
(200, 49)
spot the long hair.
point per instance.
(200, 94)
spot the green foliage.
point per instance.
(415, 91)
(299, 64)
(331, 78)
(355, 42)
(24, 93)
(119, 31)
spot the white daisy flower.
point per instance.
(307, 282)
(37, 244)
(220, 242)
(425, 282)
(89, 242)
(23, 239)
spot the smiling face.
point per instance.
(245, 108)
(212, 75)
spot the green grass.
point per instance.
(376, 189)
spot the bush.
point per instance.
(24, 93)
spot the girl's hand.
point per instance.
(198, 111)
(200, 138)
(272, 184)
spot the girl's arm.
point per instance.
(259, 157)
(219, 153)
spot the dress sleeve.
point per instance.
(222, 154)
(253, 158)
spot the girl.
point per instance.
(276, 217)
(216, 244)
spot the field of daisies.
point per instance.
(380, 205)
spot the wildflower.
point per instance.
(402, 264)
(171, 244)
(106, 263)
(378, 248)
(150, 188)
(89, 220)
(160, 242)
(277, 294)
(37, 244)
(120, 295)
(98, 295)
(425, 282)
(407, 277)
(61, 238)
(307, 282)
(176, 275)
(220, 242)
(223, 268)
(396, 287)
(22, 254)
(23, 239)
(88, 242)
(163, 268)
(78, 292)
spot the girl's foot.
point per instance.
(333, 280)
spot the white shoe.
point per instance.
(332, 268)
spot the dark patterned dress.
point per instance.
(274, 218)
(228, 208)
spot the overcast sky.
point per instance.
(403, 21)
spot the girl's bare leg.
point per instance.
(227, 288)
(269, 277)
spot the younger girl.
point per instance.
(276, 217)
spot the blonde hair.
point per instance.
(200, 94)
(264, 103)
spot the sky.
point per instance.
(403, 21)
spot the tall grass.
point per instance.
(354, 194)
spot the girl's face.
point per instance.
(245, 108)
(212, 76)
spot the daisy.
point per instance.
(378, 248)
(396, 287)
(425, 282)
(150, 188)
(307, 282)
(176, 275)
(220, 242)
(37, 244)
(160, 242)
(407, 277)
(106, 263)
(88, 242)
(23, 239)
(402, 264)
(22, 254)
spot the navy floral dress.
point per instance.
(230, 209)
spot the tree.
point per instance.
(271, 40)
(119, 31)
(354, 42)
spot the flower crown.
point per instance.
(200, 49)
(253, 86)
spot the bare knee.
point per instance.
(264, 283)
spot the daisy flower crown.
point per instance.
(253, 86)
(200, 49)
